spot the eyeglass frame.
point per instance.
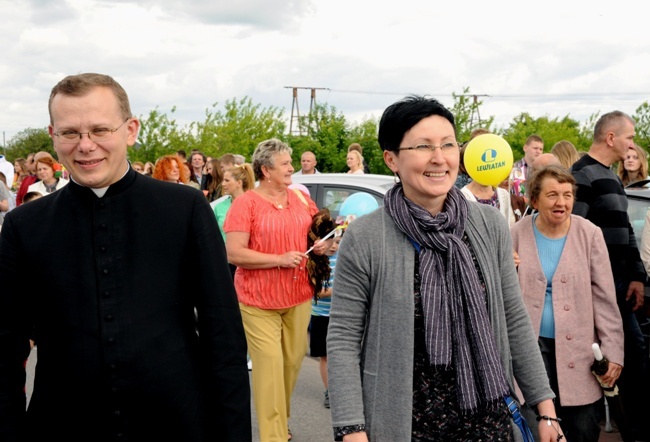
(433, 147)
(65, 140)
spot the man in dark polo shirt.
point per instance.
(602, 200)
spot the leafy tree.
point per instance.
(241, 125)
(238, 129)
(328, 131)
(642, 118)
(551, 131)
(159, 135)
(28, 141)
(328, 135)
(587, 131)
(466, 114)
(365, 134)
(301, 144)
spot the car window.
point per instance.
(312, 190)
(636, 210)
(334, 196)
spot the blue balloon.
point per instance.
(358, 204)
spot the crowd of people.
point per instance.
(435, 317)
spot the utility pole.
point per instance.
(295, 111)
(475, 109)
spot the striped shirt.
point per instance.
(602, 200)
(274, 231)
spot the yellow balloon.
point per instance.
(488, 159)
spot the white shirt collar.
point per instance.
(101, 191)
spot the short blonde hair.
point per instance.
(358, 155)
(263, 155)
(243, 173)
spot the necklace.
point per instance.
(49, 188)
(273, 200)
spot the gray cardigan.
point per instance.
(370, 338)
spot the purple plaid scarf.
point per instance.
(457, 326)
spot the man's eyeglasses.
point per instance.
(449, 146)
(97, 135)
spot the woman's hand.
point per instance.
(290, 260)
(613, 372)
(548, 433)
(515, 256)
(360, 436)
(321, 247)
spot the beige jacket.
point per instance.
(584, 304)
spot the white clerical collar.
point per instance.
(101, 191)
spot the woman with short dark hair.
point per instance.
(427, 326)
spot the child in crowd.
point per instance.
(31, 196)
(320, 318)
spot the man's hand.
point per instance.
(635, 289)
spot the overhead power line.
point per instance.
(446, 94)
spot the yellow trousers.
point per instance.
(277, 344)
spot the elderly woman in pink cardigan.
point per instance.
(568, 289)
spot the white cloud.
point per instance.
(559, 58)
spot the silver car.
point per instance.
(331, 189)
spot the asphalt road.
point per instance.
(310, 420)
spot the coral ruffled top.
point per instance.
(274, 231)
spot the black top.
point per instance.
(110, 286)
(602, 200)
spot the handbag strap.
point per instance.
(518, 419)
(302, 197)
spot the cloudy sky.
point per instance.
(550, 58)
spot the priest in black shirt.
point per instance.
(129, 299)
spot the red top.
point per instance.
(273, 231)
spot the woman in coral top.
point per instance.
(266, 238)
